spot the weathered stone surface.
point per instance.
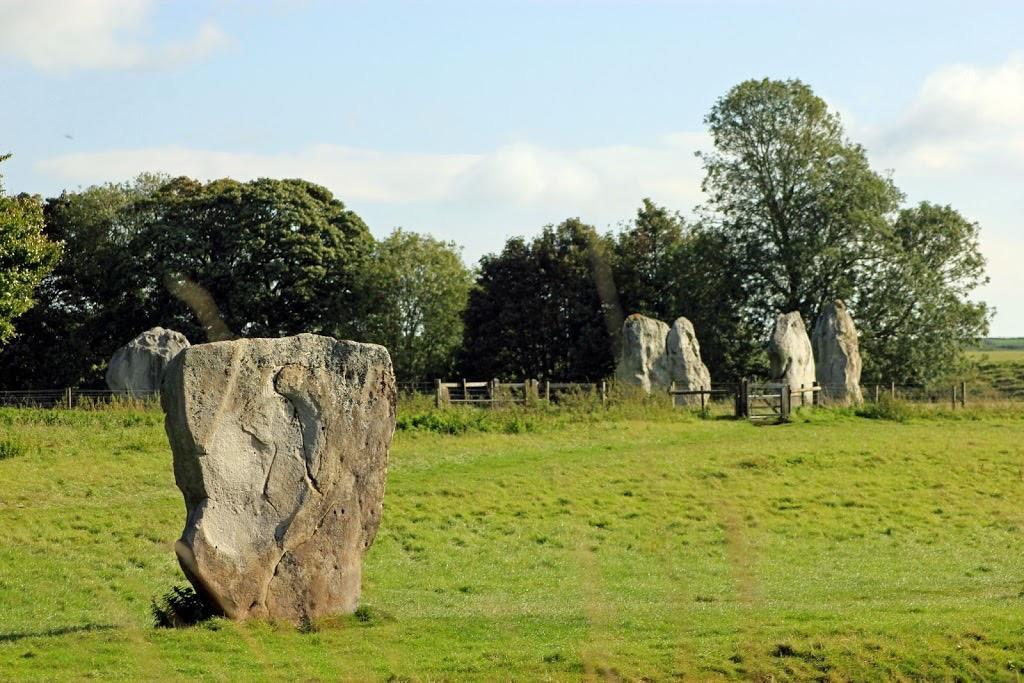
(686, 369)
(642, 359)
(138, 366)
(789, 351)
(837, 355)
(280, 450)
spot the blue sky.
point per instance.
(475, 121)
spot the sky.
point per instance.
(476, 121)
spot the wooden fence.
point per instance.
(494, 393)
(497, 392)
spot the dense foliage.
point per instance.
(665, 269)
(416, 290)
(537, 310)
(214, 260)
(26, 256)
(806, 221)
(794, 217)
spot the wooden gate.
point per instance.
(769, 402)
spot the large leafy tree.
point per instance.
(416, 290)
(799, 203)
(805, 220)
(264, 258)
(96, 297)
(914, 308)
(646, 264)
(537, 310)
(26, 256)
(276, 257)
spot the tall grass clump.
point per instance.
(886, 408)
(11, 448)
(179, 607)
(457, 420)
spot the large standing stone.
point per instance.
(789, 351)
(138, 366)
(837, 355)
(686, 369)
(642, 360)
(281, 450)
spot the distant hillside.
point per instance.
(1001, 344)
(999, 365)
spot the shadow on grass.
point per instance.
(53, 632)
(180, 607)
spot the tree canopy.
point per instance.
(416, 290)
(26, 256)
(794, 217)
(537, 312)
(805, 220)
(276, 257)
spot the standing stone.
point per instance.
(280, 449)
(138, 366)
(642, 359)
(686, 369)
(837, 355)
(790, 354)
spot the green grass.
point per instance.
(998, 356)
(635, 543)
(999, 366)
(998, 372)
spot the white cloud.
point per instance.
(516, 174)
(963, 118)
(63, 35)
(960, 141)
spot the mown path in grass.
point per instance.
(619, 548)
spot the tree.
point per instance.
(26, 256)
(805, 220)
(646, 254)
(271, 257)
(798, 203)
(96, 299)
(417, 288)
(276, 257)
(537, 310)
(914, 309)
(665, 268)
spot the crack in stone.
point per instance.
(303, 407)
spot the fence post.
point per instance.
(742, 391)
(816, 395)
(604, 392)
(67, 397)
(876, 393)
(892, 390)
(802, 395)
(437, 393)
(963, 394)
(785, 401)
(953, 396)
(702, 404)
(547, 390)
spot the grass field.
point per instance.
(628, 545)
(998, 355)
(998, 370)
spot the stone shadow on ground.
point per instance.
(15, 636)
